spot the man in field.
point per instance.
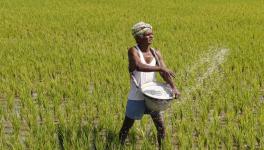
(144, 62)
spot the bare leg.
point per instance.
(127, 124)
(159, 123)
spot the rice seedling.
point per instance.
(64, 77)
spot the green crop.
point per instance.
(64, 79)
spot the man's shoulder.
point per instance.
(156, 50)
(131, 49)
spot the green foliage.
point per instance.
(64, 78)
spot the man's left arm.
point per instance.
(166, 78)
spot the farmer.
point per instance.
(144, 62)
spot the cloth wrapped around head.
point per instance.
(140, 28)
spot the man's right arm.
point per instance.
(138, 65)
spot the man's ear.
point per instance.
(137, 38)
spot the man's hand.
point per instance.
(176, 93)
(167, 73)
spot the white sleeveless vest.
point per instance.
(141, 78)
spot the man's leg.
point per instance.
(159, 123)
(128, 123)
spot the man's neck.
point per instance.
(144, 48)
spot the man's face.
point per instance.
(147, 38)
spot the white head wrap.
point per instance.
(140, 28)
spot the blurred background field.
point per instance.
(64, 79)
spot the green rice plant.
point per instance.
(66, 62)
